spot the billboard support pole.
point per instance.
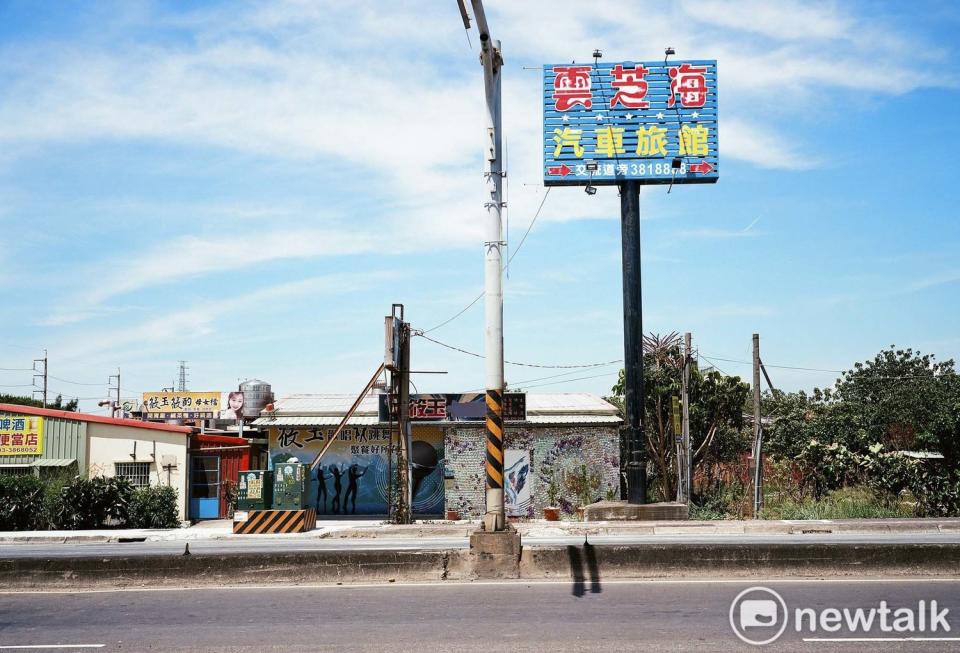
(633, 442)
(490, 57)
(405, 513)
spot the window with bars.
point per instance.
(16, 471)
(137, 473)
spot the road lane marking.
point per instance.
(881, 639)
(36, 646)
(505, 582)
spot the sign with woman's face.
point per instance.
(232, 405)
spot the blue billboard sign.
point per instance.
(653, 122)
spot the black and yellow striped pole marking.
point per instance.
(495, 455)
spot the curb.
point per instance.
(574, 563)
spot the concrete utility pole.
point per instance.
(634, 446)
(757, 429)
(116, 405)
(492, 61)
(687, 462)
(44, 375)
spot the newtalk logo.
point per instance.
(759, 615)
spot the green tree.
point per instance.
(36, 403)
(716, 411)
(901, 399)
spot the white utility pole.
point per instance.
(492, 61)
(687, 446)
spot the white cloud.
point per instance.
(189, 325)
(760, 146)
(397, 97)
(781, 20)
(940, 279)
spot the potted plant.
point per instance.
(583, 484)
(552, 512)
(453, 515)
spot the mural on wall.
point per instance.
(353, 477)
(517, 478)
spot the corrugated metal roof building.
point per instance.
(44, 440)
(559, 432)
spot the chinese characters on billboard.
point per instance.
(182, 405)
(654, 122)
(464, 407)
(21, 435)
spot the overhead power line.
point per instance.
(538, 365)
(579, 378)
(903, 377)
(76, 382)
(552, 376)
(505, 267)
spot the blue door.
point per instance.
(205, 487)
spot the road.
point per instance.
(293, 543)
(668, 615)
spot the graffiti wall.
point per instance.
(353, 477)
(551, 451)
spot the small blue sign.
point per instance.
(652, 121)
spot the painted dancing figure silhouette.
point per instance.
(321, 489)
(337, 487)
(354, 473)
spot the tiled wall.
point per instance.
(553, 449)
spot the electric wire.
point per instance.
(904, 377)
(507, 266)
(75, 382)
(580, 378)
(537, 365)
(544, 378)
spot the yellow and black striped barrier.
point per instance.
(261, 522)
(494, 440)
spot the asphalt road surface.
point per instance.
(508, 616)
(293, 543)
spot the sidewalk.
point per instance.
(376, 528)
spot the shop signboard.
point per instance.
(463, 407)
(182, 405)
(353, 477)
(654, 122)
(21, 435)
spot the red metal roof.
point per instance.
(99, 419)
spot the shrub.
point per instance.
(22, 504)
(583, 483)
(847, 503)
(93, 503)
(154, 507)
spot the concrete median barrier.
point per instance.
(219, 570)
(732, 559)
(574, 563)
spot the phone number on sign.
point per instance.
(663, 169)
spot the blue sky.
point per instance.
(248, 186)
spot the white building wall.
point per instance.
(111, 443)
